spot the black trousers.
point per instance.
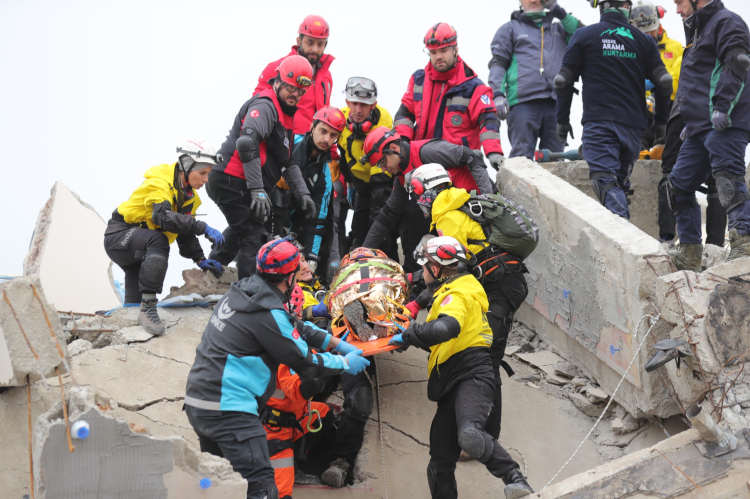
(467, 405)
(505, 296)
(241, 439)
(716, 215)
(413, 227)
(369, 200)
(246, 233)
(127, 246)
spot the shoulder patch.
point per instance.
(254, 113)
(485, 100)
(295, 334)
(224, 311)
(446, 300)
(668, 55)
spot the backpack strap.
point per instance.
(474, 210)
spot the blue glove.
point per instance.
(320, 310)
(398, 340)
(214, 236)
(345, 348)
(213, 266)
(649, 86)
(350, 194)
(721, 121)
(357, 364)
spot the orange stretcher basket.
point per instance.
(341, 328)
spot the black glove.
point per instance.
(424, 298)
(659, 131)
(260, 205)
(308, 206)
(563, 129)
(308, 388)
(496, 160)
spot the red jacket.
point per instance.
(455, 106)
(318, 95)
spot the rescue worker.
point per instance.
(256, 154)
(367, 186)
(312, 152)
(159, 212)
(527, 53)
(614, 60)
(391, 153)
(716, 110)
(249, 335)
(502, 273)
(458, 337)
(647, 17)
(447, 100)
(313, 292)
(312, 40)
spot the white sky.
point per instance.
(93, 93)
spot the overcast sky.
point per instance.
(93, 93)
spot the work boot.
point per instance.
(739, 244)
(688, 256)
(335, 475)
(516, 485)
(302, 478)
(149, 318)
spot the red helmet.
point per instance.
(296, 301)
(376, 142)
(314, 26)
(331, 116)
(439, 36)
(279, 257)
(296, 70)
(361, 253)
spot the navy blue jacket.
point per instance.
(249, 334)
(614, 60)
(705, 83)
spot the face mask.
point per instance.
(624, 12)
(536, 16)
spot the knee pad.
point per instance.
(730, 196)
(362, 401)
(475, 443)
(155, 267)
(440, 484)
(601, 190)
(678, 207)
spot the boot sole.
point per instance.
(335, 482)
(515, 493)
(156, 332)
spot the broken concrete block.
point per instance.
(120, 461)
(133, 334)
(568, 369)
(553, 377)
(79, 346)
(540, 359)
(714, 255)
(590, 280)
(597, 394)
(644, 180)
(727, 318)
(204, 283)
(69, 230)
(585, 405)
(16, 358)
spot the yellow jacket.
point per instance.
(671, 55)
(450, 222)
(158, 187)
(309, 293)
(464, 299)
(353, 149)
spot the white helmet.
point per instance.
(645, 16)
(361, 89)
(199, 150)
(425, 178)
(443, 250)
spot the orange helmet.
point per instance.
(439, 36)
(314, 26)
(331, 116)
(362, 253)
(296, 71)
(376, 142)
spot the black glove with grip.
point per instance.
(308, 206)
(260, 204)
(563, 129)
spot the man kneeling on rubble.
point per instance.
(160, 211)
(461, 380)
(251, 333)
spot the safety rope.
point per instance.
(612, 397)
(376, 389)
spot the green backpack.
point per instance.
(504, 222)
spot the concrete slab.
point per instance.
(590, 280)
(69, 230)
(32, 348)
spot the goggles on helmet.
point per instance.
(361, 87)
(197, 155)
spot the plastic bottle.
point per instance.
(80, 430)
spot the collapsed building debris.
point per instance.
(32, 342)
(70, 230)
(123, 460)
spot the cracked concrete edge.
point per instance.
(33, 258)
(591, 477)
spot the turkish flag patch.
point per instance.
(446, 300)
(295, 334)
(668, 55)
(254, 113)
